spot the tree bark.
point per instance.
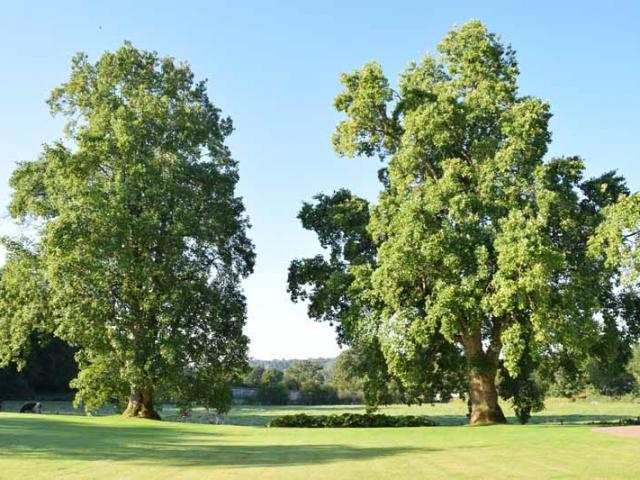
(485, 409)
(482, 369)
(141, 404)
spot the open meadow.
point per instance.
(559, 443)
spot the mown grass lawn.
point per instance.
(79, 447)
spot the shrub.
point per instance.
(350, 420)
(623, 422)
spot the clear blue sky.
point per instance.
(273, 66)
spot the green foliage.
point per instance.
(606, 367)
(304, 372)
(309, 379)
(365, 100)
(478, 239)
(284, 363)
(271, 376)
(611, 380)
(521, 383)
(564, 377)
(345, 377)
(634, 364)
(327, 282)
(616, 244)
(24, 308)
(271, 389)
(141, 242)
(272, 394)
(603, 368)
(340, 221)
(350, 420)
(47, 372)
(253, 376)
(617, 238)
(334, 295)
(200, 387)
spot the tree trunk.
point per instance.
(482, 368)
(485, 409)
(141, 404)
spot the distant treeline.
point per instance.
(47, 373)
(283, 364)
(51, 366)
(308, 382)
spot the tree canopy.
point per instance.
(480, 243)
(140, 240)
(618, 237)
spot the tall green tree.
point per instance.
(271, 389)
(340, 221)
(346, 378)
(634, 364)
(309, 378)
(253, 376)
(336, 287)
(616, 244)
(618, 238)
(304, 371)
(141, 240)
(479, 240)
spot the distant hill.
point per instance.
(283, 364)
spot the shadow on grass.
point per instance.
(40, 438)
(540, 419)
(458, 420)
(569, 419)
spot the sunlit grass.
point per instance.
(558, 410)
(105, 447)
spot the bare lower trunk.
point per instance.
(482, 367)
(141, 404)
(485, 409)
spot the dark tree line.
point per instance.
(49, 369)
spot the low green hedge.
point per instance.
(350, 420)
(623, 422)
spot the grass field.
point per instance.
(109, 447)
